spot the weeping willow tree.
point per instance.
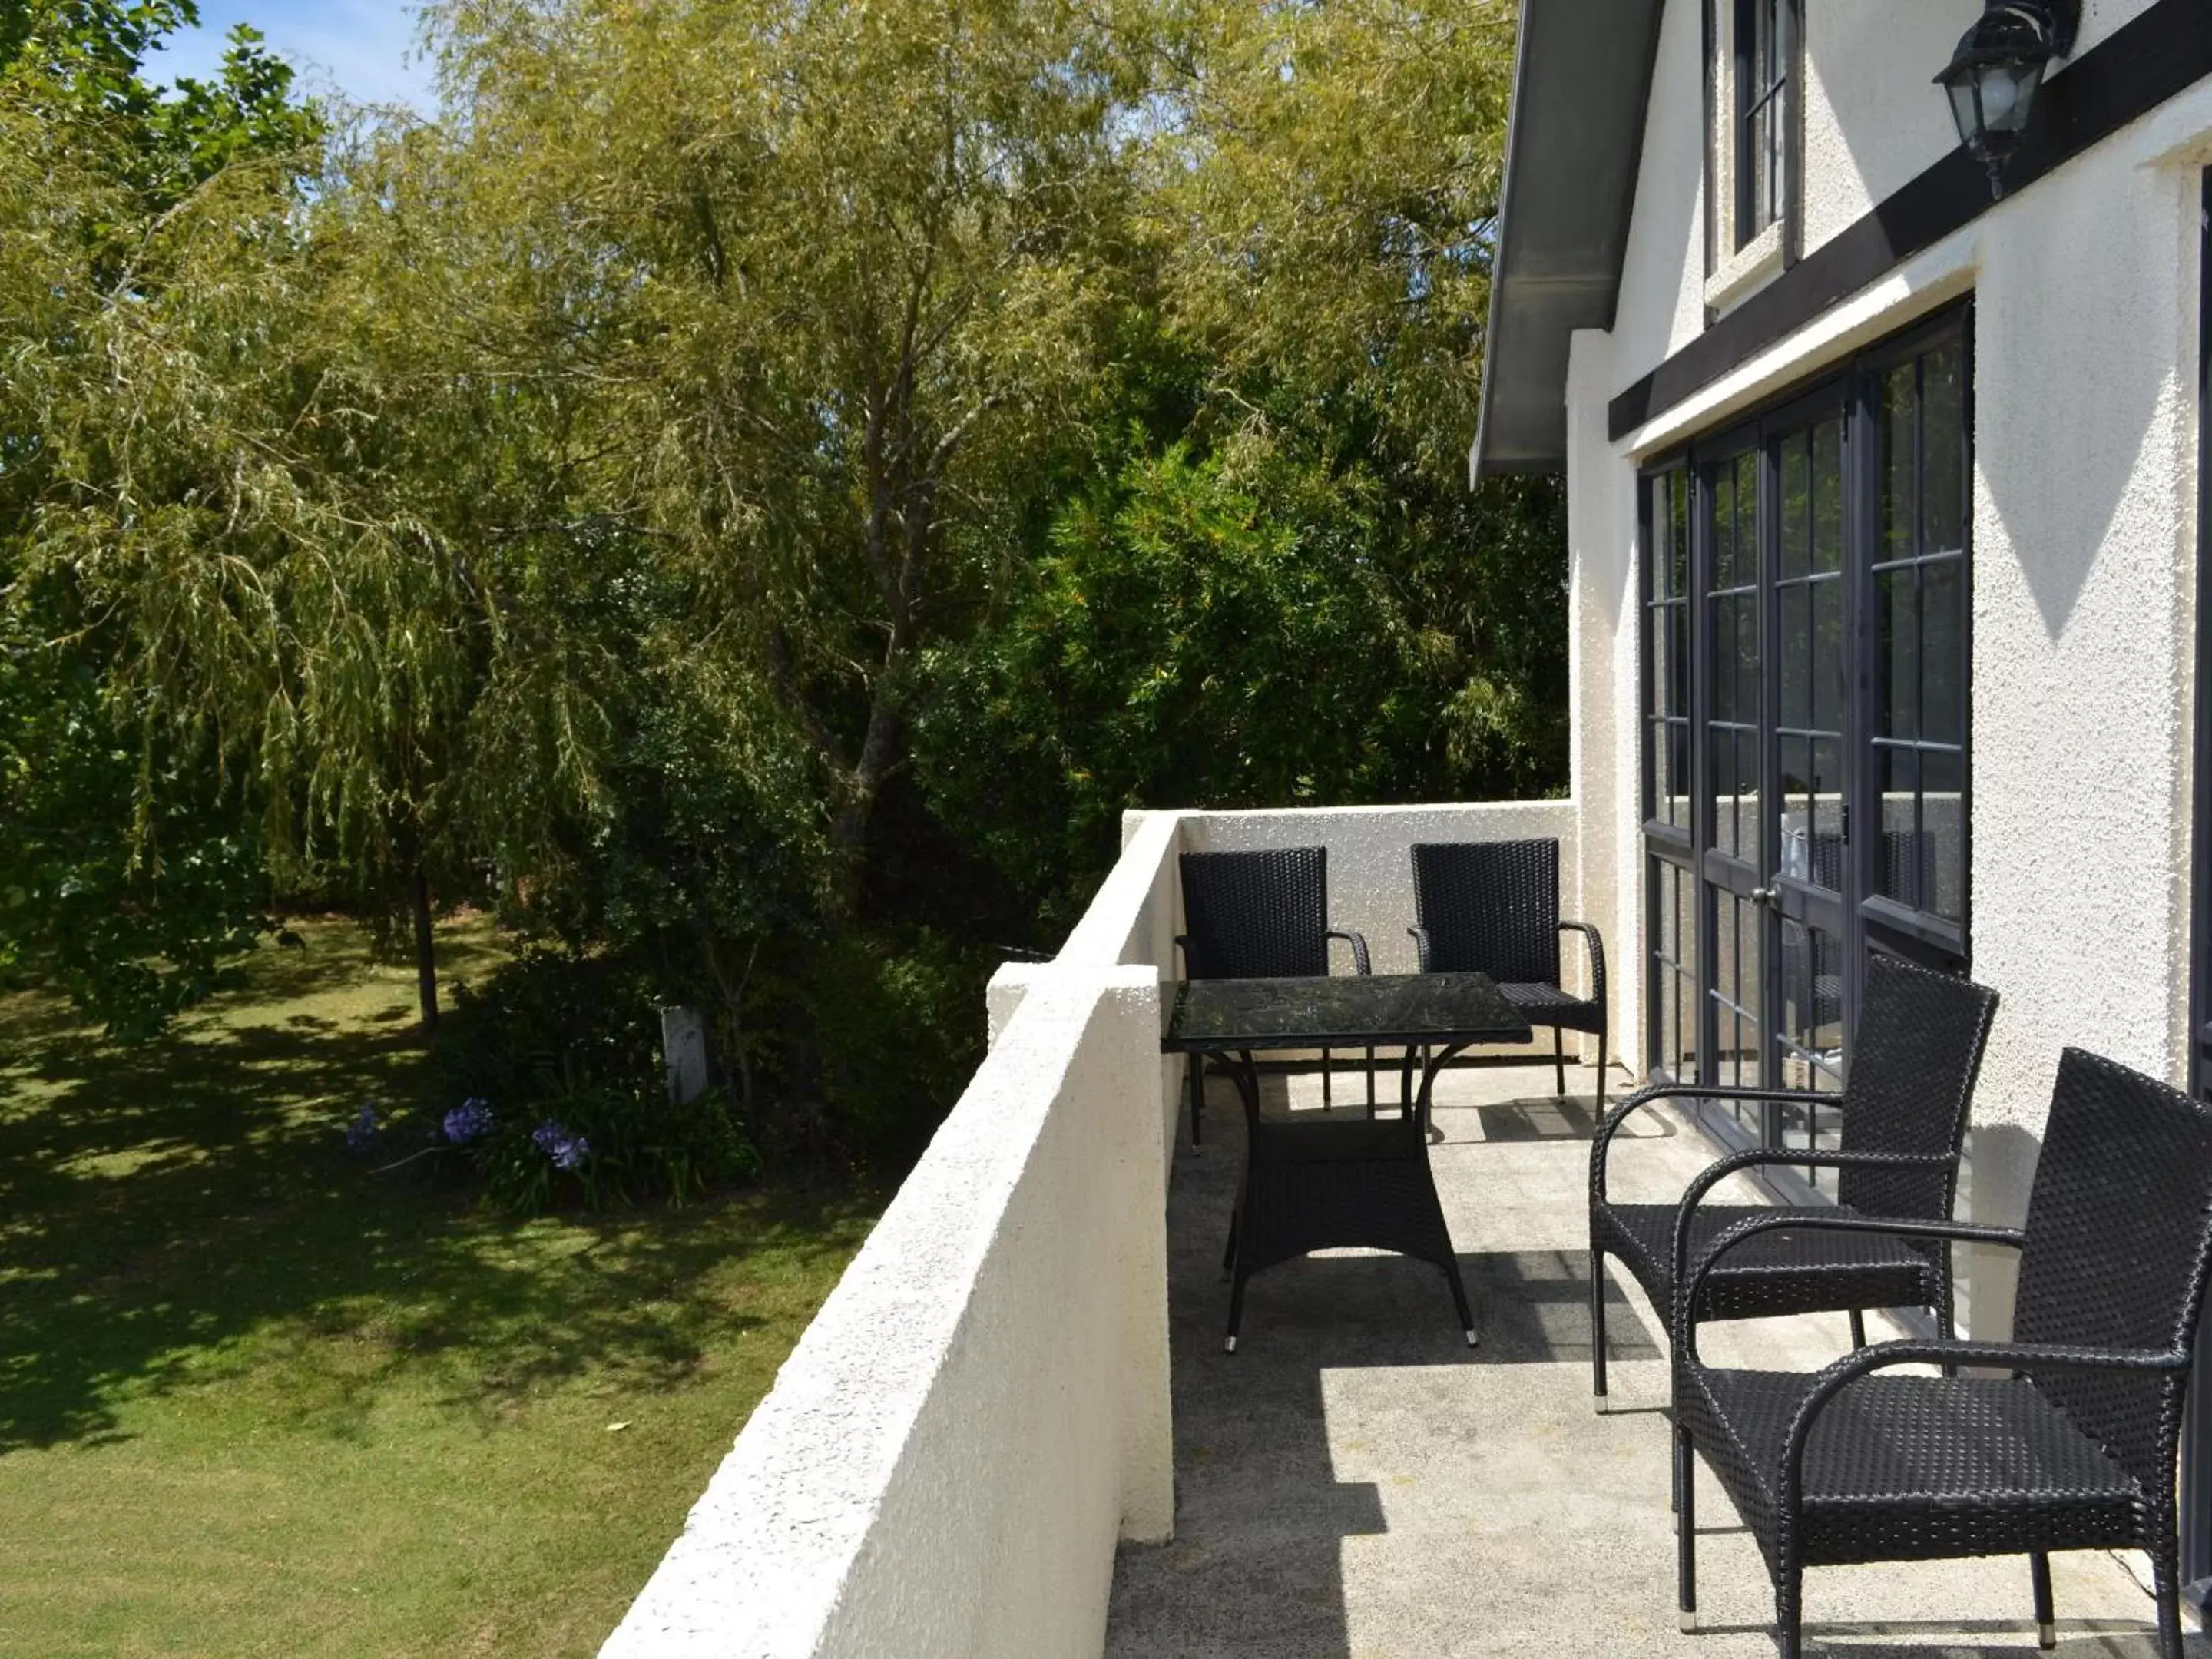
(692, 365)
(821, 280)
(127, 873)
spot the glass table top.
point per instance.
(1215, 1015)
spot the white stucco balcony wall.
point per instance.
(979, 1413)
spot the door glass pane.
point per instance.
(1897, 652)
(1830, 655)
(1898, 870)
(1942, 833)
(1896, 441)
(1678, 493)
(1674, 971)
(1794, 650)
(1809, 1035)
(1944, 473)
(1735, 997)
(1796, 507)
(1942, 648)
(1828, 497)
(1828, 813)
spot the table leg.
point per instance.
(1432, 1061)
(1246, 1073)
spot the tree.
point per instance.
(1275, 586)
(824, 277)
(129, 870)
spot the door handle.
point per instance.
(1762, 896)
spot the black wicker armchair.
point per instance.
(1261, 915)
(2074, 1449)
(1493, 908)
(1904, 1112)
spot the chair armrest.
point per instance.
(1713, 1174)
(1420, 937)
(2022, 1358)
(1359, 944)
(1686, 1292)
(1596, 943)
(1602, 1142)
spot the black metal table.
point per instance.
(1329, 1183)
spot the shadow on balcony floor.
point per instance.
(1355, 1483)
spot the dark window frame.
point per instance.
(1872, 923)
(1765, 42)
(1767, 60)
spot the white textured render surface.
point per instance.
(1662, 273)
(2083, 618)
(1605, 747)
(981, 1408)
(2086, 293)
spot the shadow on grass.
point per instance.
(187, 1213)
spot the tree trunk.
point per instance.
(426, 952)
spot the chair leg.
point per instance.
(1858, 1328)
(2166, 1574)
(1790, 1610)
(2046, 1619)
(1600, 1072)
(1685, 1531)
(1597, 1324)
(1326, 1067)
(1197, 1098)
(1229, 1254)
(1459, 1301)
(1371, 1083)
(1559, 1059)
(1236, 1310)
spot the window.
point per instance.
(1806, 744)
(1753, 149)
(1667, 649)
(1762, 76)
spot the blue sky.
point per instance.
(362, 47)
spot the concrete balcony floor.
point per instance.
(1356, 1484)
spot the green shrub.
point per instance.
(900, 1027)
(553, 1072)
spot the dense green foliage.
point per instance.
(752, 492)
(129, 875)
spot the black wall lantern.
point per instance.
(1993, 76)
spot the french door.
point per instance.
(1805, 705)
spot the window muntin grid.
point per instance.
(1920, 627)
(1666, 647)
(1762, 115)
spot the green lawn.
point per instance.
(256, 1400)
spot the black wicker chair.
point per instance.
(2075, 1450)
(1493, 908)
(1904, 1114)
(1261, 915)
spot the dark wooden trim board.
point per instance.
(2161, 52)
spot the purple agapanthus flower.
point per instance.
(361, 1135)
(568, 1151)
(470, 1121)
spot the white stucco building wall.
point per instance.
(2085, 301)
